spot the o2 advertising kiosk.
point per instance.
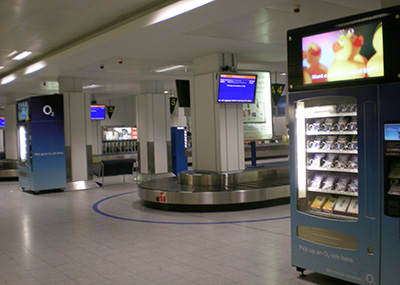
(344, 102)
(41, 144)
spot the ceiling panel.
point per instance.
(255, 30)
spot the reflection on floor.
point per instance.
(58, 238)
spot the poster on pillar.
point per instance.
(257, 117)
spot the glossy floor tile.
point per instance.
(106, 236)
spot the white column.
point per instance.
(217, 129)
(11, 131)
(153, 123)
(77, 129)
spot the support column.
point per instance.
(78, 147)
(154, 134)
(217, 133)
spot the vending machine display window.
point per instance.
(327, 158)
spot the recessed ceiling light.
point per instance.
(169, 68)
(92, 86)
(22, 55)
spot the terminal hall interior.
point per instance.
(199, 142)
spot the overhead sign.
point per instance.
(276, 91)
(110, 111)
(172, 103)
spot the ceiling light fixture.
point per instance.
(22, 55)
(169, 68)
(177, 9)
(10, 55)
(35, 67)
(8, 79)
(1, 67)
(92, 86)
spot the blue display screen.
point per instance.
(237, 88)
(98, 112)
(392, 132)
(2, 122)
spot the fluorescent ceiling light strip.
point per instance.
(22, 55)
(35, 67)
(8, 79)
(92, 86)
(177, 9)
(169, 68)
(12, 54)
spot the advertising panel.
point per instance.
(119, 133)
(257, 117)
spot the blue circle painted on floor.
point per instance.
(97, 210)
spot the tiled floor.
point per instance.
(58, 238)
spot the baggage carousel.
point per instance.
(8, 170)
(208, 191)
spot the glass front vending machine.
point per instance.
(345, 184)
(41, 143)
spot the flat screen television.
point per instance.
(97, 112)
(351, 51)
(236, 88)
(2, 122)
(183, 90)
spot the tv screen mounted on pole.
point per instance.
(236, 88)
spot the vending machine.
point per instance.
(344, 125)
(178, 147)
(41, 143)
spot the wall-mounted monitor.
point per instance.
(236, 88)
(356, 50)
(2, 122)
(119, 133)
(97, 112)
(183, 90)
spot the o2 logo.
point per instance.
(48, 110)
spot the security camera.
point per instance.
(101, 66)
